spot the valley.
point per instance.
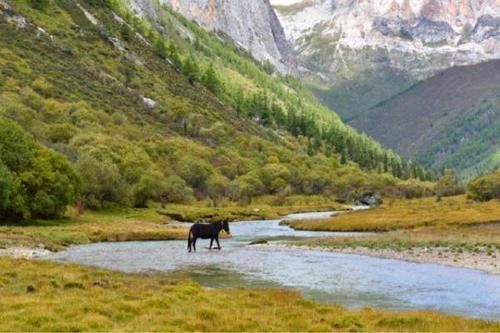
(123, 122)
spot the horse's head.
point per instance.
(225, 227)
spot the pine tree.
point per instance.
(160, 48)
(40, 4)
(211, 81)
(191, 70)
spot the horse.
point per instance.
(206, 231)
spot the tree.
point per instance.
(126, 32)
(191, 70)
(36, 182)
(160, 48)
(211, 81)
(151, 186)
(40, 4)
(176, 191)
(102, 184)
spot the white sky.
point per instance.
(283, 2)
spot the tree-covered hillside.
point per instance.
(161, 110)
(450, 120)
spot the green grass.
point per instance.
(43, 296)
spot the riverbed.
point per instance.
(351, 280)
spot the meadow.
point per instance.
(398, 214)
(73, 298)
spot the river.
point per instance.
(351, 280)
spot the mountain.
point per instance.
(359, 53)
(252, 25)
(154, 107)
(420, 76)
(451, 119)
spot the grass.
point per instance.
(111, 225)
(409, 214)
(262, 208)
(454, 239)
(453, 223)
(43, 296)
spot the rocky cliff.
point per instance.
(441, 33)
(253, 25)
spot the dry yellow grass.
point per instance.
(408, 214)
(42, 296)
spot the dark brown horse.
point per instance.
(206, 231)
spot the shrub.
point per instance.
(177, 191)
(102, 183)
(448, 185)
(151, 185)
(485, 188)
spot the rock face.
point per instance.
(253, 25)
(442, 33)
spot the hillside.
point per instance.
(452, 119)
(162, 110)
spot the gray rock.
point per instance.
(370, 199)
(252, 25)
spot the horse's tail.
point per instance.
(190, 240)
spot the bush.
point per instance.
(151, 185)
(177, 191)
(485, 188)
(412, 188)
(35, 182)
(448, 185)
(103, 185)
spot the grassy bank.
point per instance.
(72, 298)
(91, 227)
(409, 214)
(262, 208)
(452, 231)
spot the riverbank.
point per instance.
(451, 231)
(91, 227)
(74, 298)
(149, 224)
(485, 260)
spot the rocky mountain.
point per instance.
(367, 51)
(420, 76)
(253, 25)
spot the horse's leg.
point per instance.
(189, 241)
(211, 242)
(194, 243)
(218, 245)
